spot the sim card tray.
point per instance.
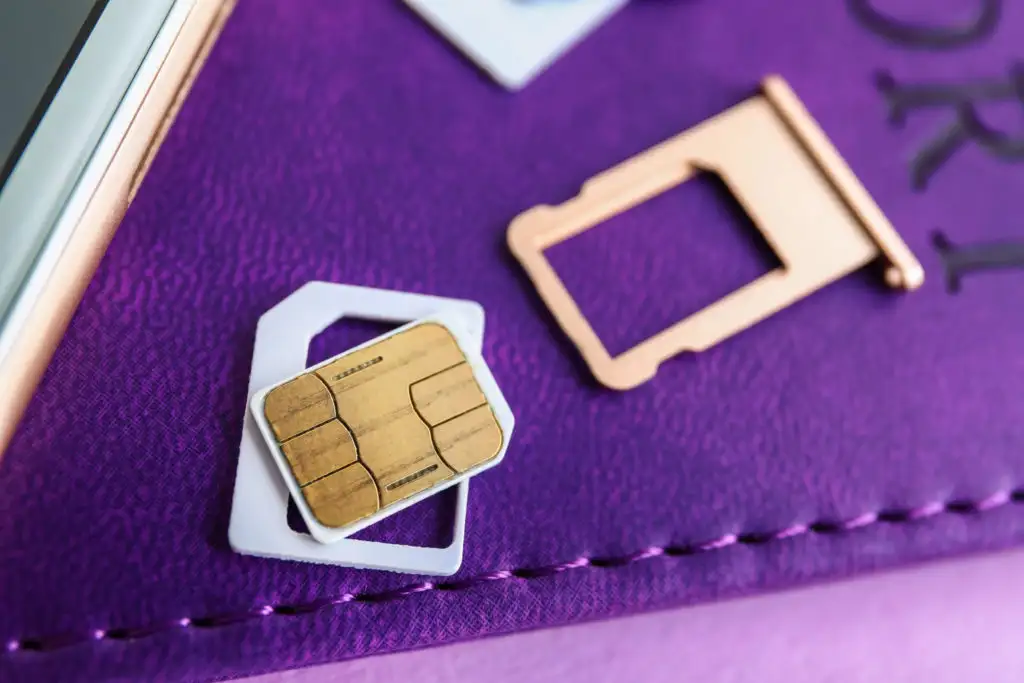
(791, 181)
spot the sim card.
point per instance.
(514, 40)
(263, 482)
(378, 428)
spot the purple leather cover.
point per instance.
(344, 141)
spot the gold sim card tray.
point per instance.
(784, 172)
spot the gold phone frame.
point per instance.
(23, 367)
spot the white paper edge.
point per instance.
(512, 64)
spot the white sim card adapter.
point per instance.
(455, 406)
(514, 40)
(259, 510)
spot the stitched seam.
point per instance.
(822, 527)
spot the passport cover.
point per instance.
(854, 431)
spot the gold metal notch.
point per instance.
(788, 177)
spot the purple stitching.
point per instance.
(893, 516)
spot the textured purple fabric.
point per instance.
(343, 141)
(947, 622)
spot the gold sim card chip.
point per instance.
(375, 429)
